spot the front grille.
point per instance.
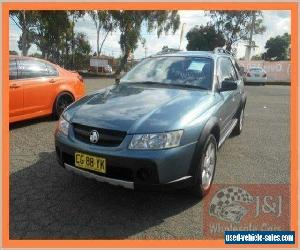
(108, 138)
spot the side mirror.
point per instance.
(228, 85)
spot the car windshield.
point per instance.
(169, 70)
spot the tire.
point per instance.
(240, 123)
(205, 173)
(62, 101)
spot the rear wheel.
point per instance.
(206, 167)
(62, 101)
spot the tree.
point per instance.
(103, 21)
(26, 21)
(74, 15)
(236, 25)
(204, 38)
(130, 24)
(82, 51)
(82, 44)
(52, 29)
(277, 47)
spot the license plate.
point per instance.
(256, 75)
(90, 162)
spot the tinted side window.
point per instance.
(32, 68)
(227, 71)
(51, 70)
(13, 70)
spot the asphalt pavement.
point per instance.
(47, 202)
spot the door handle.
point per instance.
(14, 86)
(52, 80)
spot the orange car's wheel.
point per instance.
(62, 101)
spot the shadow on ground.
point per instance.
(47, 202)
(26, 123)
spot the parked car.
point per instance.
(40, 88)
(256, 75)
(160, 126)
(103, 69)
(108, 69)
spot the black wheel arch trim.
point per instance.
(210, 126)
(244, 100)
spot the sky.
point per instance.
(277, 22)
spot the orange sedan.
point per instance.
(40, 88)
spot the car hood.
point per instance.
(141, 108)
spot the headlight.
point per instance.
(156, 141)
(63, 125)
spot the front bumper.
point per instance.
(134, 169)
(256, 79)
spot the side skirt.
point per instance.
(228, 132)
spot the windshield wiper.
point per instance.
(188, 86)
(169, 84)
(147, 82)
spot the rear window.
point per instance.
(30, 68)
(51, 70)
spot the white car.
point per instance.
(107, 69)
(256, 75)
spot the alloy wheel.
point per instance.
(208, 167)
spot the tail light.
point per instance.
(264, 75)
(248, 74)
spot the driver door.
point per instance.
(226, 71)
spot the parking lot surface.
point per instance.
(47, 202)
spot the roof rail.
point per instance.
(168, 51)
(222, 50)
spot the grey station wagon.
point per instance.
(160, 125)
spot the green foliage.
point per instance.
(236, 25)
(36, 55)
(51, 33)
(257, 57)
(204, 38)
(103, 21)
(278, 47)
(82, 51)
(130, 23)
(26, 21)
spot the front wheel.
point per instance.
(206, 167)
